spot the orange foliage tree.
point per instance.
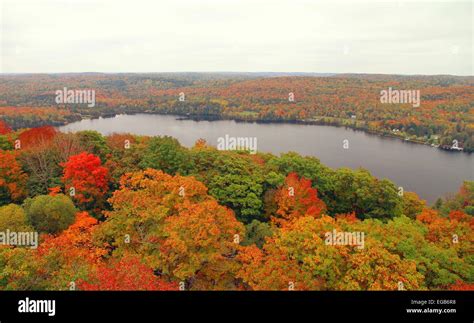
(176, 227)
(299, 257)
(296, 199)
(12, 178)
(69, 256)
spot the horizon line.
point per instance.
(232, 72)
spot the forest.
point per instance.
(128, 212)
(444, 117)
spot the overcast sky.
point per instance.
(395, 37)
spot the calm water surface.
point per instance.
(428, 171)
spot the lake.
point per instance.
(428, 171)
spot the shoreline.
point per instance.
(271, 121)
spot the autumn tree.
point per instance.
(296, 199)
(463, 200)
(375, 268)
(59, 262)
(308, 167)
(127, 274)
(36, 136)
(12, 178)
(200, 144)
(86, 180)
(71, 256)
(65, 145)
(441, 262)
(40, 162)
(412, 204)
(176, 227)
(460, 285)
(126, 151)
(298, 256)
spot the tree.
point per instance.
(36, 136)
(256, 233)
(240, 192)
(65, 145)
(76, 242)
(69, 257)
(234, 179)
(93, 142)
(177, 228)
(6, 143)
(57, 264)
(12, 178)
(364, 194)
(307, 167)
(299, 256)
(453, 232)
(462, 201)
(200, 245)
(126, 152)
(412, 204)
(50, 214)
(84, 175)
(13, 218)
(297, 199)
(440, 263)
(200, 144)
(460, 285)
(41, 163)
(166, 154)
(294, 257)
(128, 274)
(375, 268)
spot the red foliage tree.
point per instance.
(457, 215)
(128, 273)
(89, 179)
(296, 199)
(35, 137)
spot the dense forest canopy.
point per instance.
(127, 212)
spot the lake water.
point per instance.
(428, 171)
